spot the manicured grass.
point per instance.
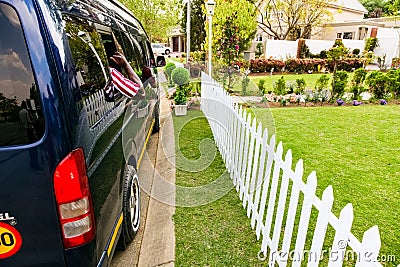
(354, 149)
(214, 234)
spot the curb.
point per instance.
(158, 244)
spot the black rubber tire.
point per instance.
(130, 207)
(156, 126)
(167, 51)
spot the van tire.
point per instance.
(156, 126)
(130, 207)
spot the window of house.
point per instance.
(348, 35)
(339, 35)
(362, 33)
(259, 38)
(21, 116)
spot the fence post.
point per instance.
(341, 239)
(370, 247)
(287, 171)
(320, 228)
(265, 189)
(261, 168)
(309, 194)
(272, 197)
(293, 204)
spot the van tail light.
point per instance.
(71, 187)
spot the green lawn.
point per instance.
(218, 233)
(354, 149)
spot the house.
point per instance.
(342, 11)
(348, 24)
(177, 40)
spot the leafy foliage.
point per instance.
(197, 30)
(339, 82)
(156, 16)
(370, 44)
(168, 69)
(377, 83)
(236, 20)
(322, 82)
(280, 86)
(261, 86)
(357, 81)
(180, 76)
(300, 85)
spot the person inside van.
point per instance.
(131, 86)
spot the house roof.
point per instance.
(350, 4)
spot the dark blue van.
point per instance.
(70, 142)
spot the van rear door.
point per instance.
(29, 104)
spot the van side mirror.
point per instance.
(160, 61)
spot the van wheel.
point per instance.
(156, 126)
(130, 207)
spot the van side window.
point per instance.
(133, 51)
(21, 117)
(90, 59)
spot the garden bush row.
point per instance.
(299, 65)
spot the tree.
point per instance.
(392, 7)
(292, 19)
(234, 27)
(375, 8)
(197, 18)
(241, 15)
(158, 17)
(336, 53)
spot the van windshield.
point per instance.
(21, 117)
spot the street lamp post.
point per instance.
(210, 5)
(188, 32)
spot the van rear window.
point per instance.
(21, 117)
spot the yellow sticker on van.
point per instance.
(10, 240)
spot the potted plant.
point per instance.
(180, 77)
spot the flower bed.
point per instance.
(298, 65)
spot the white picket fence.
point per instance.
(263, 177)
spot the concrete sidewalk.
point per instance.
(158, 243)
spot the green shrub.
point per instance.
(261, 86)
(168, 69)
(377, 82)
(357, 82)
(339, 82)
(280, 86)
(259, 49)
(245, 84)
(180, 95)
(356, 51)
(180, 76)
(322, 82)
(198, 56)
(393, 80)
(300, 85)
(370, 44)
(323, 54)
